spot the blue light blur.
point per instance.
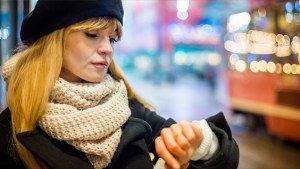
(251, 58)
(289, 7)
(266, 57)
(297, 6)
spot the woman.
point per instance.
(70, 106)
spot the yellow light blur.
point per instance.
(261, 42)
(262, 66)
(240, 66)
(214, 59)
(271, 67)
(278, 68)
(262, 12)
(254, 66)
(298, 69)
(295, 45)
(283, 45)
(294, 69)
(287, 68)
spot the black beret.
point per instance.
(51, 15)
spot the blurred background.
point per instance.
(194, 58)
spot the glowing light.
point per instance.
(262, 12)
(261, 42)
(294, 69)
(183, 5)
(214, 59)
(287, 68)
(297, 6)
(233, 59)
(289, 17)
(232, 27)
(289, 7)
(283, 45)
(295, 45)
(182, 15)
(254, 66)
(262, 66)
(239, 20)
(234, 47)
(298, 69)
(143, 63)
(271, 67)
(297, 18)
(4, 33)
(278, 68)
(241, 66)
(180, 58)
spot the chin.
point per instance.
(94, 80)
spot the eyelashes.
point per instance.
(92, 36)
(113, 40)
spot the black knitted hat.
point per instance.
(51, 15)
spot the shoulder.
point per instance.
(138, 110)
(134, 104)
(5, 120)
(8, 158)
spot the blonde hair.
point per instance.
(35, 73)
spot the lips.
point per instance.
(100, 64)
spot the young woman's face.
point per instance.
(88, 55)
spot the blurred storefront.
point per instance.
(263, 65)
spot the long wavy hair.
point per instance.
(37, 68)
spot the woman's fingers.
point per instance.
(199, 134)
(169, 138)
(179, 137)
(177, 144)
(164, 153)
(192, 133)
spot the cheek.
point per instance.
(75, 54)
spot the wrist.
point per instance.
(209, 144)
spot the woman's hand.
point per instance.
(177, 144)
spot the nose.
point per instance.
(105, 48)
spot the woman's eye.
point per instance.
(90, 35)
(113, 40)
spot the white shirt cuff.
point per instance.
(209, 145)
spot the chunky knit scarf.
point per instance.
(88, 116)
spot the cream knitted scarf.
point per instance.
(88, 116)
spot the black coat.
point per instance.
(137, 140)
